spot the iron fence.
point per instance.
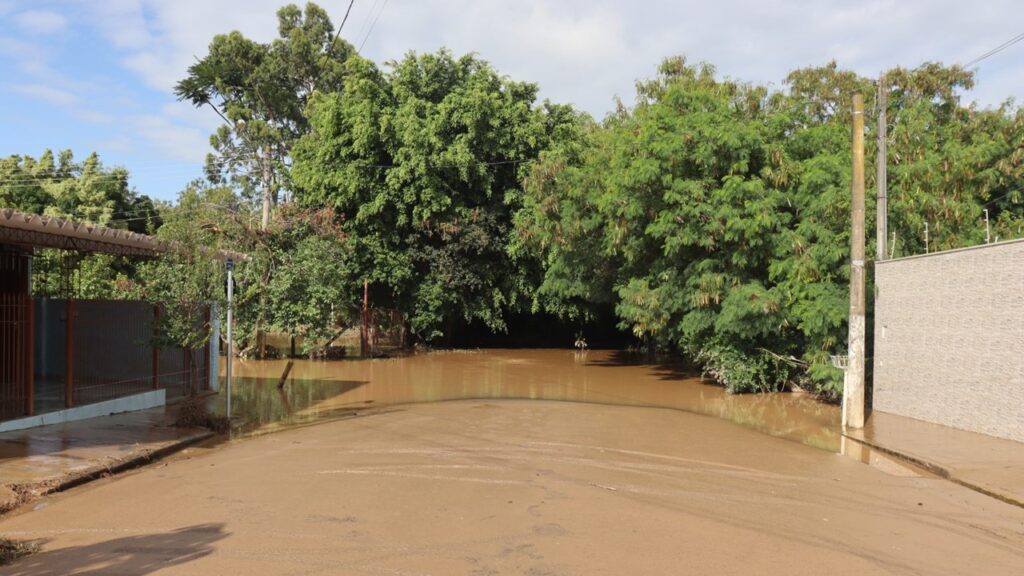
(15, 355)
(62, 353)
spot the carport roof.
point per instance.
(34, 230)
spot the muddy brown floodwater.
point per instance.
(319, 391)
(539, 462)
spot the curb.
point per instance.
(938, 470)
(32, 491)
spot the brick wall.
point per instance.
(949, 338)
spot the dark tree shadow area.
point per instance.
(131, 555)
(664, 366)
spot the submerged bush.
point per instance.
(11, 550)
(741, 372)
(193, 413)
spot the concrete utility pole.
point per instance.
(231, 293)
(853, 383)
(882, 175)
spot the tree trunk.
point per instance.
(268, 187)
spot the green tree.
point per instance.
(86, 192)
(261, 91)
(423, 164)
(715, 214)
(311, 289)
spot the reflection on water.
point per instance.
(880, 461)
(318, 390)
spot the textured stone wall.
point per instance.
(949, 338)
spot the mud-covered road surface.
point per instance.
(483, 487)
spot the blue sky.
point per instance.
(97, 75)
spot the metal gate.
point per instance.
(16, 359)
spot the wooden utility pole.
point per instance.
(853, 383)
(882, 175)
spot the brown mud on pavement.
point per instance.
(514, 487)
(990, 465)
(41, 460)
(321, 390)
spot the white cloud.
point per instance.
(40, 22)
(581, 51)
(172, 140)
(94, 116)
(49, 94)
(123, 23)
(160, 39)
(586, 52)
(16, 50)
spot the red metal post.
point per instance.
(30, 346)
(188, 368)
(69, 354)
(156, 347)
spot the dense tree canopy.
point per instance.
(84, 191)
(261, 91)
(424, 163)
(712, 216)
(715, 214)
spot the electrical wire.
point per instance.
(994, 200)
(24, 181)
(366, 21)
(368, 32)
(343, 20)
(996, 50)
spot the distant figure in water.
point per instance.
(581, 343)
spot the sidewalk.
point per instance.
(989, 465)
(47, 459)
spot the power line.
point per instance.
(994, 200)
(366, 21)
(368, 32)
(29, 181)
(996, 50)
(148, 168)
(343, 20)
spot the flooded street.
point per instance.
(527, 462)
(488, 487)
(318, 390)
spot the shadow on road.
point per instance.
(131, 555)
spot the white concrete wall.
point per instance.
(132, 403)
(949, 338)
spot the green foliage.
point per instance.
(715, 214)
(261, 91)
(185, 279)
(423, 164)
(312, 288)
(739, 371)
(296, 279)
(85, 192)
